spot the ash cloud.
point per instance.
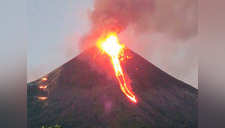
(177, 18)
(115, 15)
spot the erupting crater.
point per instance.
(110, 44)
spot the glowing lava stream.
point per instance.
(111, 46)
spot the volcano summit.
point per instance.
(84, 93)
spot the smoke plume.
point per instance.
(177, 18)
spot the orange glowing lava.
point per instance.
(111, 45)
(44, 79)
(43, 86)
(42, 98)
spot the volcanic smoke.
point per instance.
(111, 45)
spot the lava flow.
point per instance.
(111, 45)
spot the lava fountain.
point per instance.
(113, 48)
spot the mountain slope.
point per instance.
(84, 92)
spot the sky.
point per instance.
(55, 27)
(51, 27)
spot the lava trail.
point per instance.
(111, 45)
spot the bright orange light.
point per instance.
(44, 79)
(111, 45)
(43, 86)
(42, 98)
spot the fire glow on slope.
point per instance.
(112, 46)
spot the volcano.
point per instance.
(84, 93)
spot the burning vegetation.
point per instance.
(42, 97)
(43, 86)
(110, 45)
(44, 79)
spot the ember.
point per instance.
(43, 86)
(42, 98)
(44, 79)
(111, 45)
